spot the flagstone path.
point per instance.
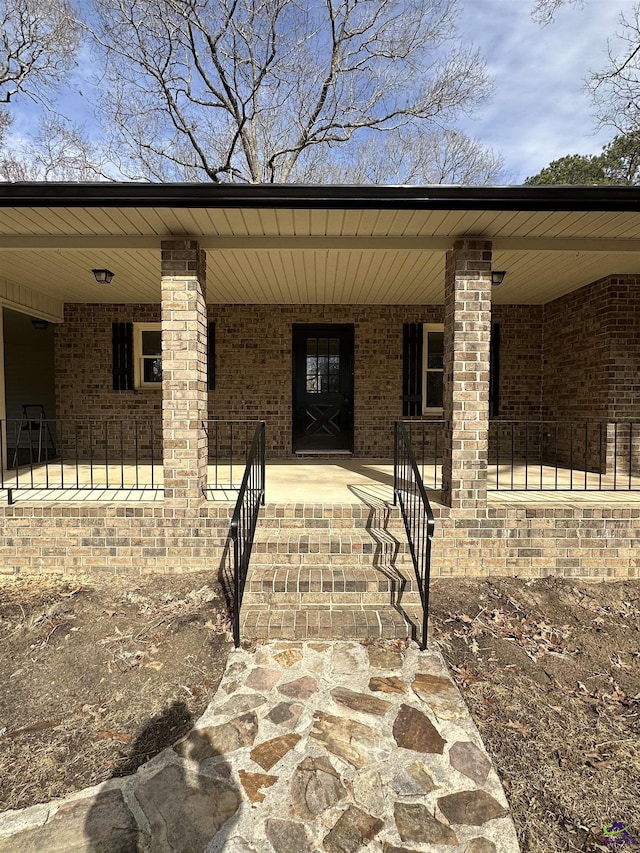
(335, 747)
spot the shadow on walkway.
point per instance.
(185, 802)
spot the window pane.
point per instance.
(151, 343)
(434, 389)
(152, 369)
(435, 350)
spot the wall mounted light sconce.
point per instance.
(103, 276)
(497, 277)
(40, 324)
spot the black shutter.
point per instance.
(494, 371)
(122, 362)
(412, 343)
(211, 357)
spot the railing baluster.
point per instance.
(121, 456)
(106, 452)
(600, 462)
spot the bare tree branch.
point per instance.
(410, 157)
(38, 43)
(544, 10)
(243, 89)
(60, 151)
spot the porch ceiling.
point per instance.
(291, 255)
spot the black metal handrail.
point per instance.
(245, 518)
(409, 492)
(555, 455)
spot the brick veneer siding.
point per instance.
(566, 541)
(467, 329)
(520, 385)
(115, 538)
(84, 385)
(592, 371)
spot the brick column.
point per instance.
(184, 372)
(467, 332)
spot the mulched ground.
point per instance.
(97, 677)
(551, 672)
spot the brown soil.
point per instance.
(550, 670)
(97, 677)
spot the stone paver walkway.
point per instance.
(333, 747)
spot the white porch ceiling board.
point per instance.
(538, 277)
(66, 275)
(426, 287)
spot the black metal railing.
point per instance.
(229, 443)
(409, 492)
(548, 455)
(80, 454)
(427, 441)
(245, 518)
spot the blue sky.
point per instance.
(539, 110)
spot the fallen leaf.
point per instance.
(517, 727)
(123, 737)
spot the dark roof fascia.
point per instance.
(183, 195)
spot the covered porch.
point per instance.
(330, 316)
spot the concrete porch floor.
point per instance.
(340, 481)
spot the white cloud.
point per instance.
(540, 110)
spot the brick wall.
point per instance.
(114, 538)
(84, 386)
(253, 366)
(592, 372)
(566, 541)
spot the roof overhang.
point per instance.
(318, 244)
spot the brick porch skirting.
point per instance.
(565, 541)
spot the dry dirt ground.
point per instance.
(550, 670)
(99, 676)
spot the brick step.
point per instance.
(320, 580)
(359, 623)
(345, 548)
(329, 600)
(330, 516)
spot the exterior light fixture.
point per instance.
(40, 324)
(103, 276)
(497, 277)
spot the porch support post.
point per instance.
(184, 372)
(467, 333)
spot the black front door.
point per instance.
(322, 387)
